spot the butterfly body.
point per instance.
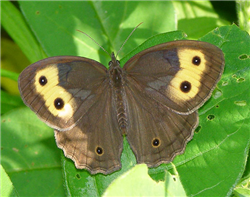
(116, 77)
(153, 100)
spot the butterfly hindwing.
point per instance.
(156, 134)
(95, 143)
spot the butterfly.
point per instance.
(153, 101)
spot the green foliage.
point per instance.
(130, 184)
(243, 10)
(216, 158)
(6, 183)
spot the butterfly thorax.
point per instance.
(116, 75)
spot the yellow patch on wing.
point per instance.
(188, 72)
(51, 91)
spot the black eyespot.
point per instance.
(118, 62)
(185, 86)
(156, 142)
(99, 151)
(196, 60)
(110, 62)
(43, 80)
(58, 103)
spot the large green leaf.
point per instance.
(9, 102)
(218, 152)
(29, 154)
(197, 18)
(215, 159)
(7, 188)
(13, 22)
(137, 182)
(56, 23)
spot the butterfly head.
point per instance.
(114, 63)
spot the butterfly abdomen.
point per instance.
(121, 110)
(116, 78)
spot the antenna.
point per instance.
(128, 38)
(94, 41)
(122, 44)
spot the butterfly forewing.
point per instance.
(181, 74)
(61, 90)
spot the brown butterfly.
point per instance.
(153, 100)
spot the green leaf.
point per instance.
(29, 154)
(13, 61)
(9, 74)
(218, 152)
(247, 170)
(55, 25)
(243, 11)
(137, 182)
(197, 18)
(7, 188)
(9, 102)
(14, 23)
(215, 147)
(242, 189)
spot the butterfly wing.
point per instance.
(73, 96)
(95, 143)
(181, 74)
(61, 90)
(165, 85)
(156, 134)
